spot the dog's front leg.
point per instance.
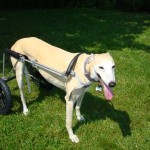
(69, 113)
(78, 106)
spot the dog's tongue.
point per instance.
(107, 92)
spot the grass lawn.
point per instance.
(125, 125)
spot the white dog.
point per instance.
(88, 68)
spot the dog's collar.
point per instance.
(86, 73)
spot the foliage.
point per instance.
(128, 5)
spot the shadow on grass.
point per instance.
(43, 92)
(95, 108)
(76, 30)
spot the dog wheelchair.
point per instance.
(6, 101)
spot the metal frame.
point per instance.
(34, 64)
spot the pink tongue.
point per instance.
(108, 92)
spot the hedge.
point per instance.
(125, 5)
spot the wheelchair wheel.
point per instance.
(5, 98)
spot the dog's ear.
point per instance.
(92, 57)
(108, 53)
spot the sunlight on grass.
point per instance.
(95, 47)
(144, 38)
(70, 35)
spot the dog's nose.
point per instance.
(112, 84)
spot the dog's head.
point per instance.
(102, 70)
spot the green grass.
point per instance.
(125, 125)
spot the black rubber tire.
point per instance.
(5, 98)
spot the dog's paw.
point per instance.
(81, 118)
(26, 112)
(74, 138)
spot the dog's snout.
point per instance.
(112, 84)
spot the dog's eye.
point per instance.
(101, 67)
(113, 67)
